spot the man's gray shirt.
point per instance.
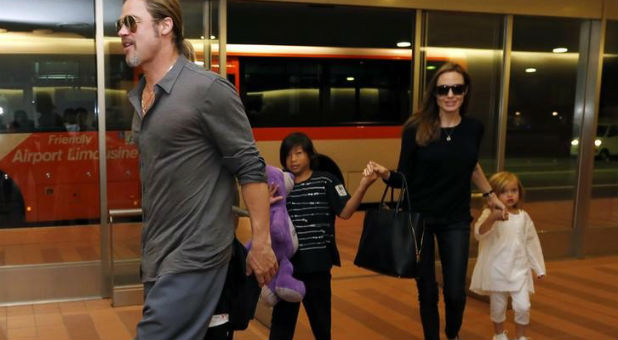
(192, 143)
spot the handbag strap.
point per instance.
(392, 200)
(418, 248)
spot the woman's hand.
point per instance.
(495, 215)
(368, 177)
(494, 203)
(373, 167)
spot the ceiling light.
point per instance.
(517, 113)
(530, 70)
(404, 44)
(555, 113)
(349, 78)
(431, 67)
(560, 50)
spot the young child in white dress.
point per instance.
(508, 251)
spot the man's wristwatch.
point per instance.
(487, 194)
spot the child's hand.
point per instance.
(540, 276)
(496, 214)
(373, 167)
(272, 190)
(369, 176)
(494, 203)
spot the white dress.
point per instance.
(507, 253)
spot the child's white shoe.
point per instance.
(501, 336)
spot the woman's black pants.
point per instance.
(453, 244)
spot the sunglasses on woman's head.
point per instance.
(129, 21)
(442, 90)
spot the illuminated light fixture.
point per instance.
(28, 209)
(517, 113)
(597, 142)
(212, 37)
(575, 142)
(555, 113)
(560, 50)
(1, 110)
(202, 37)
(199, 63)
(431, 67)
(349, 78)
(530, 70)
(404, 44)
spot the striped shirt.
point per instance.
(313, 206)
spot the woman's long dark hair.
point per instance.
(427, 119)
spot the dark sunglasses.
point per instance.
(129, 21)
(443, 90)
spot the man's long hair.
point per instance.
(427, 119)
(161, 9)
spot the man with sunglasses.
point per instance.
(194, 139)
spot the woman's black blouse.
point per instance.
(439, 174)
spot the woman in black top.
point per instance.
(439, 157)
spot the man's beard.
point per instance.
(133, 60)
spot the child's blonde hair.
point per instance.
(501, 179)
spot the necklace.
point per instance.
(449, 134)
(147, 101)
(449, 130)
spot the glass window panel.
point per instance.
(48, 133)
(342, 71)
(604, 204)
(317, 25)
(475, 42)
(541, 123)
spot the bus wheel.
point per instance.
(12, 212)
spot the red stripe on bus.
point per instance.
(347, 132)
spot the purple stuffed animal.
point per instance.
(284, 243)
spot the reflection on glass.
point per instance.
(541, 123)
(604, 203)
(48, 144)
(475, 42)
(318, 91)
(293, 72)
(318, 25)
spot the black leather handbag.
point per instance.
(392, 237)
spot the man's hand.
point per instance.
(262, 262)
